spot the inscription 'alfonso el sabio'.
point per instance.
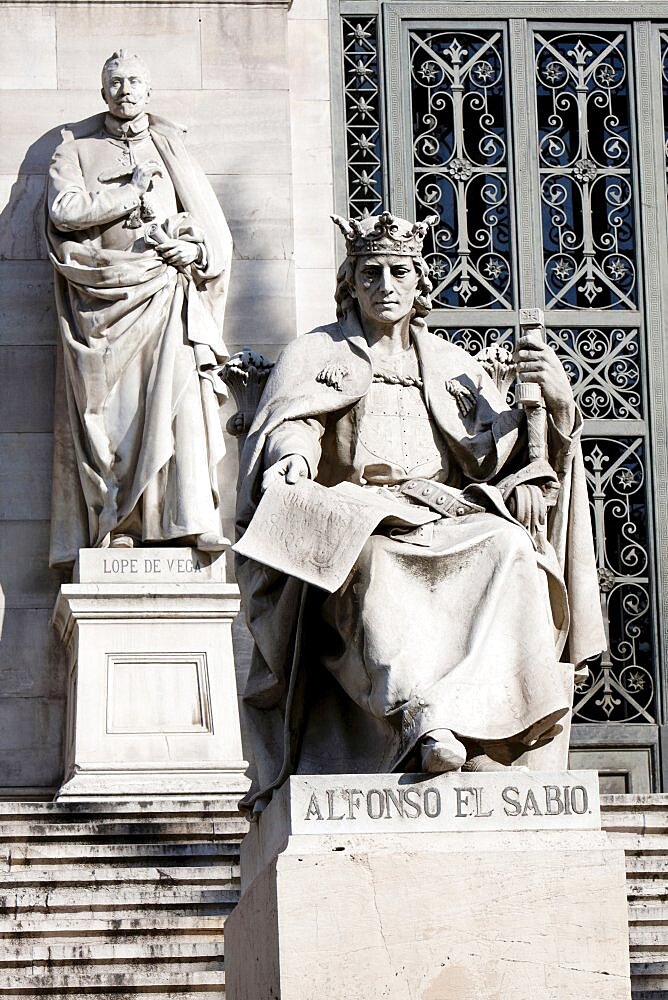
(458, 802)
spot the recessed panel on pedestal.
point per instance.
(135, 684)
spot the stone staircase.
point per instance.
(639, 824)
(129, 900)
(116, 900)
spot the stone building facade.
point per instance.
(297, 109)
(250, 81)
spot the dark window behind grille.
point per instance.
(362, 116)
(460, 164)
(585, 157)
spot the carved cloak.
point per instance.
(295, 712)
(136, 416)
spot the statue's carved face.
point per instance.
(126, 88)
(385, 287)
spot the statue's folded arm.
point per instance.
(72, 207)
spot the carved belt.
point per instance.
(443, 499)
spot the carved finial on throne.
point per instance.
(246, 374)
(499, 365)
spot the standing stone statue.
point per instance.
(447, 645)
(141, 252)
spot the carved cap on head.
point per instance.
(385, 233)
(122, 55)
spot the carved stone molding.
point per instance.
(281, 4)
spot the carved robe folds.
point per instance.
(460, 625)
(137, 435)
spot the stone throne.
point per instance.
(246, 375)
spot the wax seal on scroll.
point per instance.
(333, 375)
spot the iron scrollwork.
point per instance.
(582, 92)
(475, 339)
(664, 82)
(364, 154)
(461, 155)
(603, 366)
(620, 687)
(604, 369)
(460, 164)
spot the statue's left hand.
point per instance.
(538, 362)
(178, 253)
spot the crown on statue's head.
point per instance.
(384, 233)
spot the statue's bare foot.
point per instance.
(481, 762)
(121, 542)
(441, 751)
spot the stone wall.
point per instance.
(251, 82)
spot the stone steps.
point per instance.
(639, 824)
(126, 830)
(191, 919)
(132, 949)
(37, 876)
(129, 900)
(56, 982)
(116, 899)
(129, 990)
(64, 853)
(110, 899)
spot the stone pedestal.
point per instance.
(458, 887)
(152, 693)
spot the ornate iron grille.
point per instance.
(460, 164)
(364, 153)
(474, 339)
(604, 369)
(584, 125)
(621, 684)
(663, 36)
(569, 228)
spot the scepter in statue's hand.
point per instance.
(543, 385)
(528, 393)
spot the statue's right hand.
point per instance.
(527, 504)
(143, 174)
(288, 470)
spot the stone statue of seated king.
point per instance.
(451, 644)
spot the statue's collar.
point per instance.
(135, 128)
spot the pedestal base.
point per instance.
(152, 705)
(526, 899)
(102, 784)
